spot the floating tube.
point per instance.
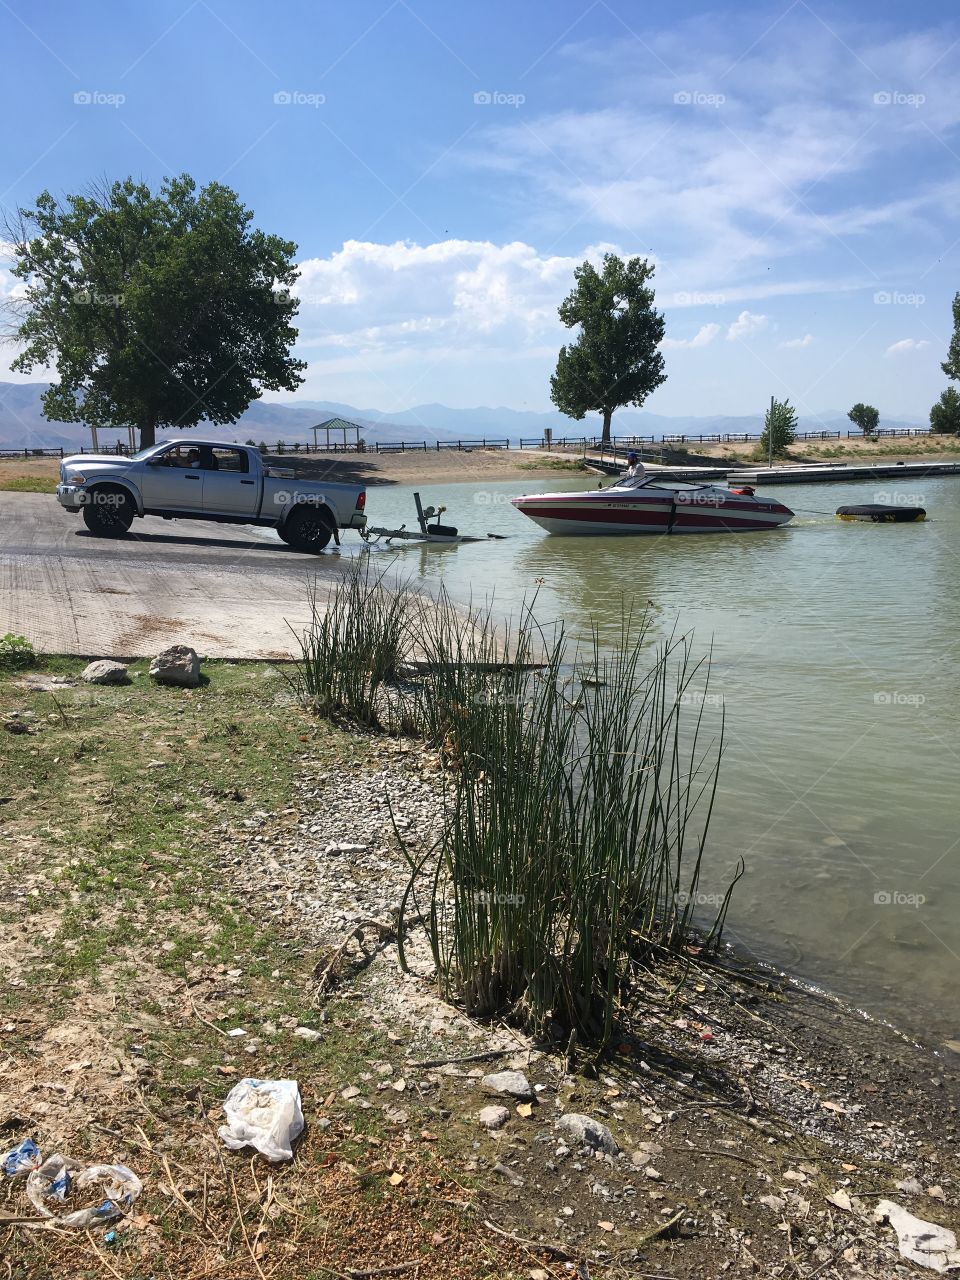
(878, 513)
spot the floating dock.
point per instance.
(795, 473)
(823, 473)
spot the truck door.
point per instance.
(229, 487)
(172, 480)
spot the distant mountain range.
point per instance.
(22, 424)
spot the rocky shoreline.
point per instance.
(755, 1125)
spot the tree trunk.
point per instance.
(148, 433)
(607, 418)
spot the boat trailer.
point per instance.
(446, 534)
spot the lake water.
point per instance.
(835, 653)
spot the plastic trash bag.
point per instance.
(122, 1186)
(265, 1114)
(20, 1161)
(49, 1181)
(57, 1178)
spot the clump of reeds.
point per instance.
(578, 797)
(352, 647)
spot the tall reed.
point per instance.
(353, 645)
(571, 841)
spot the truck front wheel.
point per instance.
(108, 513)
(307, 530)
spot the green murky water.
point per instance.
(835, 653)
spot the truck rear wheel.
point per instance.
(307, 530)
(108, 513)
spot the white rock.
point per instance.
(585, 1129)
(307, 1033)
(105, 671)
(493, 1117)
(177, 665)
(513, 1083)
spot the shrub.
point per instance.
(16, 653)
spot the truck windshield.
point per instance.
(148, 452)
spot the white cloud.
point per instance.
(737, 156)
(702, 338)
(746, 324)
(792, 344)
(388, 324)
(906, 344)
(373, 292)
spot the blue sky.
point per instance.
(793, 169)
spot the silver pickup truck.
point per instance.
(207, 480)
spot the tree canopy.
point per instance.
(951, 366)
(615, 360)
(945, 414)
(157, 309)
(865, 416)
(780, 423)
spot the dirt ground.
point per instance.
(444, 467)
(177, 868)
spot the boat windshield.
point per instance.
(659, 480)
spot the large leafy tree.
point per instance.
(156, 308)
(951, 366)
(615, 359)
(866, 417)
(945, 414)
(780, 424)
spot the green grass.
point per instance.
(28, 484)
(129, 897)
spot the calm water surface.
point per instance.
(835, 654)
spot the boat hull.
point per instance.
(646, 511)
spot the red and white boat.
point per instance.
(651, 504)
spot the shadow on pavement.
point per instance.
(188, 540)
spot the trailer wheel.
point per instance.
(307, 529)
(108, 512)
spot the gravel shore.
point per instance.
(763, 1125)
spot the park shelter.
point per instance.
(338, 426)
